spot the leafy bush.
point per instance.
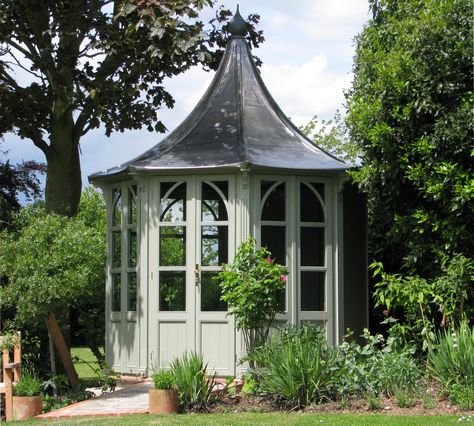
(162, 379)
(29, 384)
(194, 387)
(376, 368)
(451, 363)
(422, 300)
(298, 368)
(252, 287)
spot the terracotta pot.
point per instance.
(163, 401)
(25, 407)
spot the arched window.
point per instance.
(172, 246)
(124, 248)
(312, 258)
(273, 225)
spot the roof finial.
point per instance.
(237, 26)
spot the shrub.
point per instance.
(194, 387)
(451, 363)
(298, 368)
(376, 368)
(252, 287)
(162, 379)
(29, 384)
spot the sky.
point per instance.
(307, 61)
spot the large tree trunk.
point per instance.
(63, 177)
(63, 352)
(62, 195)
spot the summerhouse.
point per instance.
(236, 166)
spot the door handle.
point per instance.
(197, 275)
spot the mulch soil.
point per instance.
(429, 404)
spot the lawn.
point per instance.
(86, 363)
(274, 419)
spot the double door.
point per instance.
(191, 235)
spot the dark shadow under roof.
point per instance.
(236, 124)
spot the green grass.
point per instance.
(273, 419)
(87, 361)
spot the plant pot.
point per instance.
(25, 407)
(163, 401)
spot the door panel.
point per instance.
(195, 222)
(214, 330)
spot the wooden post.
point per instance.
(11, 374)
(8, 383)
(17, 358)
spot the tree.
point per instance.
(410, 112)
(52, 263)
(17, 180)
(93, 62)
(332, 136)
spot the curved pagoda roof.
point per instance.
(236, 124)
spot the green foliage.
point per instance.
(162, 379)
(297, 367)
(17, 180)
(29, 383)
(451, 363)
(8, 341)
(373, 403)
(332, 136)
(51, 263)
(376, 368)
(410, 114)
(252, 286)
(404, 399)
(447, 297)
(194, 387)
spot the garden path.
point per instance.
(131, 399)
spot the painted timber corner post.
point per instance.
(235, 167)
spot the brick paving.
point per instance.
(132, 399)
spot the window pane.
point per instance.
(310, 206)
(319, 187)
(116, 207)
(173, 208)
(172, 291)
(116, 286)
(132, 248)
(132, 292)
(172, 245)
(116, 249)
(211, 293)
(213, 206)
(312, 246)
(274, 206)
(312, 291)
(132, 204)
(274, 239)
(214, 245)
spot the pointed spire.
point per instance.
(237, 26)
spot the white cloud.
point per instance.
(331, 11)
(308, 89)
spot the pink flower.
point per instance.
(385, 312)
(282, 278)
(268, 260)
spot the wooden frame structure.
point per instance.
(11, 372)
